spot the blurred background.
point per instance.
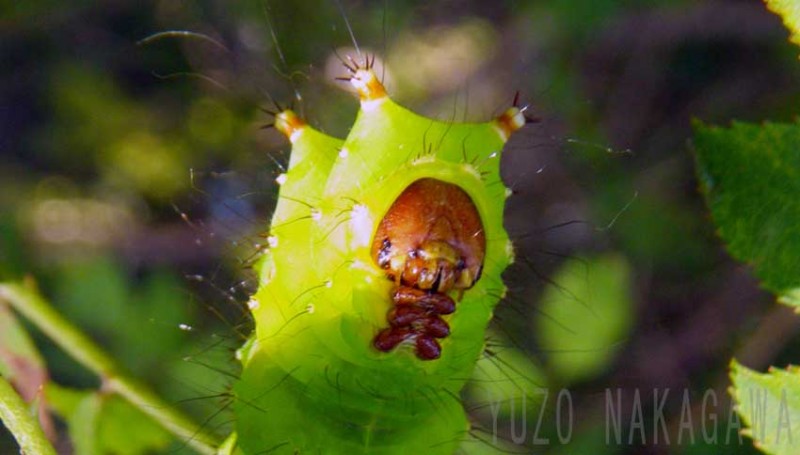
(136, 184)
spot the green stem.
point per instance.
(16, 416)
(27, 301)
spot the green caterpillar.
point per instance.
(318, 374)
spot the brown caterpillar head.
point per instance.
(430, 242)
(431, 238)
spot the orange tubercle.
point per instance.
(368, 85)
(510, 121)
(288, 123)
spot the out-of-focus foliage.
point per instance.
(22, 365)
(18, 354)
(82, 290)
(585, 316)
(503, 376)
(102, 423)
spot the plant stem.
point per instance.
(16, 416)
(27, 301)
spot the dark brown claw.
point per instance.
(388, 339)
(436, 327)
(405, 315)
(428, 348)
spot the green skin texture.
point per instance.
(312, 380)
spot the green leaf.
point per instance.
(750, 175)
(100, 423)
(769, 405)
(585, 315)
(789, 10)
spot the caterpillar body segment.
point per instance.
(286, 262)
(313, 380)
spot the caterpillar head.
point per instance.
(432, 238)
